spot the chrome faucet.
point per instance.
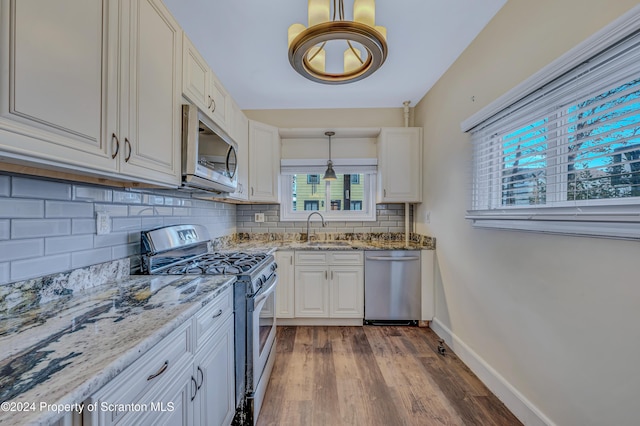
(309, 219)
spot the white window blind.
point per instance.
(568, 151)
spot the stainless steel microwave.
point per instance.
(209, 160)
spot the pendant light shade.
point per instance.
(329, 174)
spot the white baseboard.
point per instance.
(520, 406)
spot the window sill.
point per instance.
(619, 222)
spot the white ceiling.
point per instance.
(245, 42)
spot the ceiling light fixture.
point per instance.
(306, 45)
(329, 174)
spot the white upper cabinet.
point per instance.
(93, 91)
(52, 85)
(150, 120)
(264, 162)
(201, 86)
(400, 165)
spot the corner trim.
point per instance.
(519, 405)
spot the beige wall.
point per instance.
(557, 317)
(329, 118)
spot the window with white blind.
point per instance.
(565, 157)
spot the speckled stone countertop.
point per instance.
(63, 350)
(323, 241)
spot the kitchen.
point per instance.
(545, 321)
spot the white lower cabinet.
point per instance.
(329, 284)
(285, 294)
(186, 379)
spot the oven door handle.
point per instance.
(267, 292)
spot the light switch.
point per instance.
(259, 217)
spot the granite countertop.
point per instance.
(63, 350)
(295, 241)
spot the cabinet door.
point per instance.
(221, 102)
(347, 292)
(195, 76)
(215, 379)
(240, 134)
(400, 163)
(53, 82)
(312, 292)
(151, 100)
(285, 300)
(264, 162)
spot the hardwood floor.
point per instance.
(372, 376)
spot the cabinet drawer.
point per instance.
(154, 369)
(311, 258)
(346, 258)
(211, 317)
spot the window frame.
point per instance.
(605, 217)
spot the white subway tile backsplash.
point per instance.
(119, 252)
(36, 188)
(31, 268)
(90, 257)
(112, 239)
(5, 229)
(17, 208)
(68, 209)
(83, 226)
(92, 194)
(151, 222)
(113, 209)
(5, 186)
(126, 197)
(5, 272)
(51, 224)
(21, 249)
(33, 228)
(68, 244)
(126, 224)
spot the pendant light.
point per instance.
(329, 174)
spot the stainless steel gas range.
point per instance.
(184, 249)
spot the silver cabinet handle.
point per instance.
(384, 191)
(160, 371)
(325, 275)
(291, 260)
(115, 153)
(217, 314)
(393, 259)
(127, 144)
(210, 102)
(214, 104)
(252, 191)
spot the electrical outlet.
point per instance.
(103, 223)
(259, 217)
(427, 216)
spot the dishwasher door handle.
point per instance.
(391, 258)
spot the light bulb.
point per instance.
(319, 11)
(293, 31)
(364, 11)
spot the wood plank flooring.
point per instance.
(373, 376)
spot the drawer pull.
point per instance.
(217, 314)
(159, 372)
(201, 374)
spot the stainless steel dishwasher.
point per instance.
(392, 287)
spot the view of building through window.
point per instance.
(311, 192)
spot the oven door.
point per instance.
(264, 327)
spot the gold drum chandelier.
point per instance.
(366, 43)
